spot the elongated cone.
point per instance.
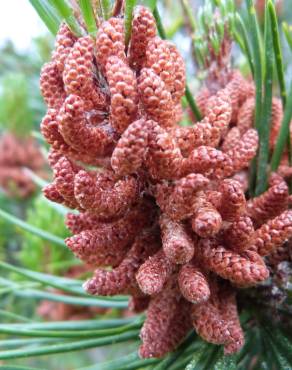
(245, 118)
(177, 201)
(209, 130)
(59, 148)
(246, 115)
(108, 243)
(124, 96)
(239, 90)
(179, 83)
(206, 220)
(80, 134)
(277, 117)
(177, 244)
(270, 204)
(233, 202)
(82, 221)
(78, 74)
(218, 111)
(167, 322)
(121, 280)
(50, 192)
(217, 320)
(110, 41)
(242, 178)
(230, 314)
(49, 129)
(247, 269)
(238, 236)
(153, 273)
(193, 283)
(281, 254)
(209, 324)
(202, 99)
(156, 99)
(243, 152)
(231, 139)
(158, 58)
(130, 152)
(63, 44)
(143, 30)
(272, 234)
(208, 161)
(64, 174)
(51, 85)
(164, 158)
(103, 194)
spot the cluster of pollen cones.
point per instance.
(162, 205)
(15, 155)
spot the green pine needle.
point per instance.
(277, 51)
(121, 363)
(88, 16)
(189, 13)
(129, 7)
(264, 127)
(256, 55)
(226, 363)
(242, 30)
(151, 4)
(34, 230)
(23, 292)
(68, 347)
(106, 8)
(283, 134)
(24, 331)
(287, 30)
(65, 284)
(47, 14)
(65, 12)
